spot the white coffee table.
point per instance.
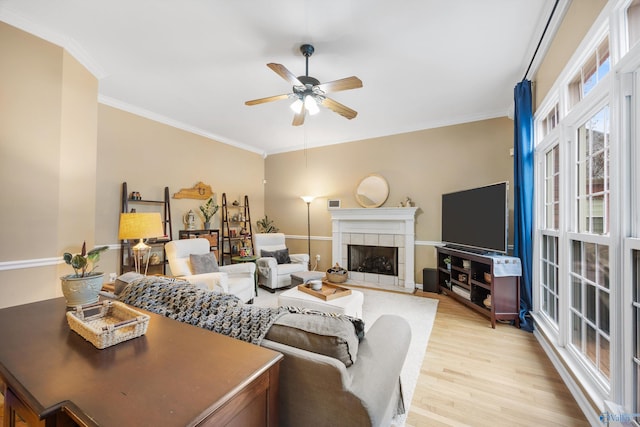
(350, 305)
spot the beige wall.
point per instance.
(575, 24)
(150, 156)
(48, 142)
(64, 158)
(422, 165)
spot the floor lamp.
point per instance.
(308, 200)
(140, 226)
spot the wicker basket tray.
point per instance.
(337, 278)
(107, 323)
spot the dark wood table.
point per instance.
(175, 375)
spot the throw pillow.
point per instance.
(281, 255)
(331, 336)
(206, 263)
(123, 280)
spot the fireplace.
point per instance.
(373, 259)
(390, 228)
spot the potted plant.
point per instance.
(208, 210)
(447, 261)
(82, 287)
(265, 225)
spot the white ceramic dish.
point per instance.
(316, 285)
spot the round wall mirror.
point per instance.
(372, 191)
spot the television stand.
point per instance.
(470, 278)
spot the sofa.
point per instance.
(332, 372)
(320, 390)
(275, 263)
(235, 279)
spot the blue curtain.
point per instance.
(523, 194)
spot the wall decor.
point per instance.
(372, 191)
(198, 191)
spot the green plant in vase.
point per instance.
(83, 287)
(265, 225)
(447, 261)
(208, 210)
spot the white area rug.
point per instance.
(419, 312)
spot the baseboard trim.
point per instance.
(587, 405)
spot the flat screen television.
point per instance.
(477, 219)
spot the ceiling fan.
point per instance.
(308, 92)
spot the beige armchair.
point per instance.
(236, 279)
(271, 274)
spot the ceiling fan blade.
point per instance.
(267, 99)
(343, 110)
(283, 72)
(343, 84)
(298, 119)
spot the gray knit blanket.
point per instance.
(222, 313)
(182, 301)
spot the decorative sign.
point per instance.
(199, 191)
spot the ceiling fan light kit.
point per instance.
(308, 92)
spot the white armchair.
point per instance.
(272, 275)
(236, 279)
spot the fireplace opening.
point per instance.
(373, 259)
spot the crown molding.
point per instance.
(74, 48)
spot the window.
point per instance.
(549, 278)
(549, 286)
(633, 23)
(590, 73)
(551, 120)
(636, 322)
(585, 261)
(551, 188)
(590, 304)
(593, 174)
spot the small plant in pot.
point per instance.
(82, 287)
(208, 210)
(266, 225)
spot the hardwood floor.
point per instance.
(473, 375)
(477, 376)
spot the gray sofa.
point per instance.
(330, 374)
(318, 390)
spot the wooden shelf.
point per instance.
(213, 236)
(504, 290)
(235, 220)
(126, 253)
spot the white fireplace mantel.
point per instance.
(377, 221)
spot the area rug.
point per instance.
(419, 312)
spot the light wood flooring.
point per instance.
(473, 375)
(477, 376)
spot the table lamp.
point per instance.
(140, 226)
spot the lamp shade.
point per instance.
(140, 225)
(307, 199)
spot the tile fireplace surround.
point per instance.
(393, 227)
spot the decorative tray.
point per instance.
(328, 292)
(107, 323)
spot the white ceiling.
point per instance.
(193, 63)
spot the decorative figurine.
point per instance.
(190, 220)
(408, 203)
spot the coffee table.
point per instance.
(350, 305)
